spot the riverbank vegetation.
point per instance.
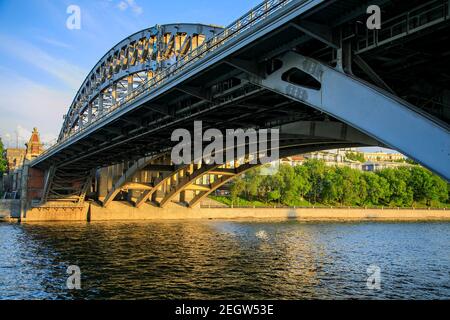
(314, 183)
(3, 162)
(355, 156)
(3, 165)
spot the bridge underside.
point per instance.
(157, 180)
(316, 68)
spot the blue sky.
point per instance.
(42, 62)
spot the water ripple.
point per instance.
(225, 260)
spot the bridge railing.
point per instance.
(278, 206)
(261, 12)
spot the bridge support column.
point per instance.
(24, 200)
(31, 187)
(102, 183)
(183, 196)
(142, 179)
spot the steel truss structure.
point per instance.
(128, 65)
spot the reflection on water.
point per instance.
(225, 260)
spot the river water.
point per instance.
(213, 259)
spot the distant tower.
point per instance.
(34, 145)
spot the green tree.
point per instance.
(331, 187)
(252, 183)
(426, 186)
(343, 185)
(355, 156)
(303, 183)
(401, 194)
(410, 161)
(439, 191)
(421, 182)
(316, 170)
(349, 185)
(271, 183)
(3, 163)
(290, 185)
(274, 195)
(317, 183)
(377, 189)
(236, 189)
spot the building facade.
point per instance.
(14, 158)
(34, 145)
(383, 156)
(377, 166)
(11, 181)
(337, 158)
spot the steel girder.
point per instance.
(377, 113)
(130, 174)
(67, 186)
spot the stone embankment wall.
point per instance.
(9, 208)
(125, 211)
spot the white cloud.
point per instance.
(26, 104)
(125, 4)
(23, 134)
(54, 42)
(71, 75)
(136, 9)
(122, 5)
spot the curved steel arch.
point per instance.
(218, 175)
(177, 180)
(129, 64)
(222, 177)
(129, 174)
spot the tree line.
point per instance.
(315, 183)
(3, 163)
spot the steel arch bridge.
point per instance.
(308, 67)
